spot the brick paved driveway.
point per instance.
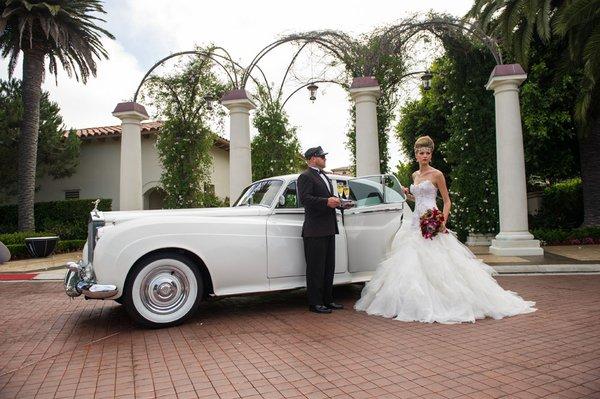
(269, 346)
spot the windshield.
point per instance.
(262, 193)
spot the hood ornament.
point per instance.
(95, 210)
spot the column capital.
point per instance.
(130, 110)
(237, 98)
(365, 86)
(512, 74)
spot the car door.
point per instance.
(285, 247)
(372, 224)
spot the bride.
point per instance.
(439, 279)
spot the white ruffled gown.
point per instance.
(438, 280)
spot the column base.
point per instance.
(505, 245)
(478, 239)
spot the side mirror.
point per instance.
(281, 200)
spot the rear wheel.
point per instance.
(163, 290)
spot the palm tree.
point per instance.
(576, 24)
(62, 31)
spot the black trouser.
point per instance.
(320, 267)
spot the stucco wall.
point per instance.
(97, 175)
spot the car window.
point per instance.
(291, 197)
(393, 190)
(262, 193)
(366, 191)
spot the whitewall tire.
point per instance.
(163, 290)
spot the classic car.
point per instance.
(160, 264)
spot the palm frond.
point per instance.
(574, 13)
(66, 31)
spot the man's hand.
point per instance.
(333, 202)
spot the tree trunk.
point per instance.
(589, 149)
(33, 73)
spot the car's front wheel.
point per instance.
(163, 290)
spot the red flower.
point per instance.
(431, 223)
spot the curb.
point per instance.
(544, 269)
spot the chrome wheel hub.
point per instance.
(165, 289)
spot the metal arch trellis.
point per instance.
(217, 58)
(325, 39)
(340, 45)
(345, 86)
(405, 31)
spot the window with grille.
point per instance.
(72, 194)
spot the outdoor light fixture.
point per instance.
(313, 91)
(208, 100)
(426, 78)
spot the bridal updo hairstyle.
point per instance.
(424, 142)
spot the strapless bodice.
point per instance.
(425, 193)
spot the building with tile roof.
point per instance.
(97, 175)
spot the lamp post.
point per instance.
(426, 79)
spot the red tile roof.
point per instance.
(148, 128)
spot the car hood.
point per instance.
(121, 216)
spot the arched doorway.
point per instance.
(154, 198)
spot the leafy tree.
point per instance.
(63, 31)
(427, 116)
(458, 113)
(275, 149)
(549, 127)
(575, 24)
(57, 155)
(186, 137)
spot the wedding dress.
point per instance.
(435, 280)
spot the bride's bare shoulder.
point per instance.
(438, 173)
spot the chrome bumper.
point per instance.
(78, 281)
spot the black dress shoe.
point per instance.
(319, 309)
(334, 306)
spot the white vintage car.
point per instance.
(161, 263)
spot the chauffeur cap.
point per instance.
(314, 152)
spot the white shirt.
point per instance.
(323, 177)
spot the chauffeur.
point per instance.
(318, 232)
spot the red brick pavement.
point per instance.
(270, 346)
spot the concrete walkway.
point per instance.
(556, 259)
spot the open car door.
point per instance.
(372, 224)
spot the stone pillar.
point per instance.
(365, 92)
(240, 163)
(514, 237)
(130, 185)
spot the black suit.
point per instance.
(318, 232)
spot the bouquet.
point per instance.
(432, 223)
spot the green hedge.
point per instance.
(67, 219)
(582, 236)
(562, 206)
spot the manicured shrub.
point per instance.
(581, 236)
(67, 219)
(562, 206)
(18, 251)
(69, 246)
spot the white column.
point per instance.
(240, 162)
(130, 184)
(514, 237)
(365, 92)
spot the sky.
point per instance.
(147, 30)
